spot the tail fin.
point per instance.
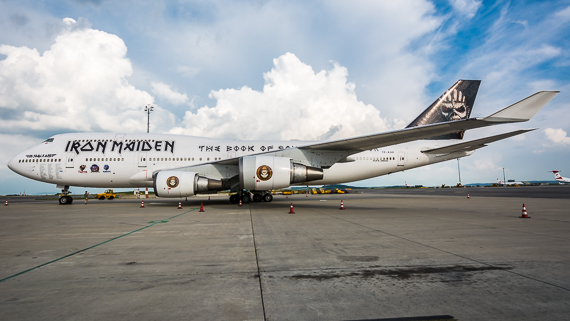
(455, 104)
(557, 175)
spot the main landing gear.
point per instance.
(65, 199)
(247, 197)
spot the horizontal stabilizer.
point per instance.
(474, 144)
(524, 109)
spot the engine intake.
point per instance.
(263, 173)
(182, 184)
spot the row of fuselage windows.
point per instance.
(153, 159)
(40, 160)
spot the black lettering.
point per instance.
(138, 146)
(250, 148)
(171, 144)
(217, 149)
(146, 147)
(67, 146)
(236, 148)
(269, 147)
(130, 146)
(103, 146)
(75, 146)
(158, 145)
(209, 148)
(228, 148)
(117, 144)
(280, 147)
(201, 148)
(262, 148)
(87, 147)
(243, 148)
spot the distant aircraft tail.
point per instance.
(557, 175)
(455, 104)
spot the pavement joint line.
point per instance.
(438, 249)
(257, 263)
(88, 248)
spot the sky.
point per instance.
(284, 70)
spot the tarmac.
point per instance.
(389, 255)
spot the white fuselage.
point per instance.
(129, 160)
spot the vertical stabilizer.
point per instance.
(455, 104)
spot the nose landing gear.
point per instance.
(65, 199)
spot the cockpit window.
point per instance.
(49, 140)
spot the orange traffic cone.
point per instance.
(179, 205)
(201, 207)
(524, 213)
(240, 202)
(341, 205)
(142, 204)
(6, 204)
(468, 196)
(291, 210)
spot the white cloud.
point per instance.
(79, 84)
(563, 14)
(466, 7)
(164, 91)
(295, 103)
(557, 136)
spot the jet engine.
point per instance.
(262, 173)
(181, 184)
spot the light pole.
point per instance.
(148, 108)
(504, 181)
(459, 171)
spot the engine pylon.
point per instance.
(524, 213)
(341, 205)
(291, 211)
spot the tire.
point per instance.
(267, 197)
(63, 200)
(246, 198)
(111, 197)
(101, 198)
(234, 199)
(257, 197)
(70, 199)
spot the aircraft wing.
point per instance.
(521, 111)
(474, 144)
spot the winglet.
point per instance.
(523, 110)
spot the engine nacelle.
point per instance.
(182, 184)
(263, 173)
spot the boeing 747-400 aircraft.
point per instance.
(180, 166)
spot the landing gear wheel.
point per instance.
(234, 199)
(65, 200)
(267, 197)
(257, 198)
(246, 198)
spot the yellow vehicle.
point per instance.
(107, 194)
(287, 192)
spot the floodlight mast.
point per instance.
(148, 108)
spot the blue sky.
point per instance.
(283, 70)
